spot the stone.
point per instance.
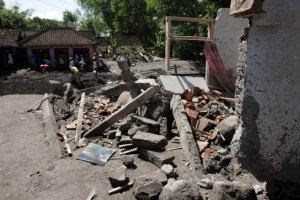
(180, 189)
(125, 140)
(131, 132)
(168, 170)
(179, 84)
(148, 191)
(258, 189)
(118, 134)
(111, 134)
(157, 158)
(83, 142)
(206, 183)
(125, 97)
(125, 124)
(153, 126)
(127, 75)
(222, 151)
(227, 128)
(151, 82)
(153, 176)
(149, 140)
(225, 160)
(128, 161)
(211, 164)
(245, 7)
(225, 190)
(118, 177)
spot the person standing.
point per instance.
(82, 63)
(10, 62)
(95, 64)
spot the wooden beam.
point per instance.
(208, 75)
(190, 19)
(122, 112)
(168, 44)
(80, 118)
(191, 38)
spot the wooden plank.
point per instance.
(63, 133)
(51, 128)
(208, 74)
(80, 118)
(122, 112)
(191, 38)
(190, 19)
(168, 44)
(187, 140)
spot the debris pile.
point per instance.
(136, 119)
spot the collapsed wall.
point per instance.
(227, 34)
(267, 93)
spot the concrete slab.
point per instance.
(178, 84)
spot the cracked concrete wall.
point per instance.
(227, 33)
(268, 93)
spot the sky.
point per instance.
(51, 9)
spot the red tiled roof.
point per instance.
(59, 36)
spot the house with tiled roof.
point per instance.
(58, 45)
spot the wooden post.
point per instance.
(168, 44)
(80, 118)
(209, 36)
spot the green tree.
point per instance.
(37, 23)
(2, 4)
(70, 19)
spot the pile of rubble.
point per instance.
(139, 118)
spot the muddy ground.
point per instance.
(28, 169)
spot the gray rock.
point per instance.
(258, 189)
(227, 127)
(128, 161)
(149, 140)
(222, 151)
(153, 176)
(180, 189)
(225, 190)
(153, 126)
(118, 134)
(168, 170)
(148, 191)
(131, 132)
(157, 158)
(126, 97)
(111, 134)
(211, 164)
(206, 183)
(125, 124)
(118, 177)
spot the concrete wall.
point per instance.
(268, 93)
(227, 34)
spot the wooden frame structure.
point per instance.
(170, 37)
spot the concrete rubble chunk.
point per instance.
(149, 140)
(232, 190)
(157, 158)
(126, 97)
(125, 124)
(245, 7)
(153, 176)
(118, 177)
(122, 112)
(180, 189)
(131, 132)
(179, 84)
(187, 140)
(206, 183)
(168, 170)
(153, 126)
(227, 128)
(127, 75)
(148, 191)
(128, 161)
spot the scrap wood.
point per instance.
(227, 99)
(80, 118)
(71, 126)
(121, 188)
(127, 109)
(63, 132)
(129, 151)
(192, 112)
(175, 148)
(188, 143)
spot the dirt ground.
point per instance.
(29, 171)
